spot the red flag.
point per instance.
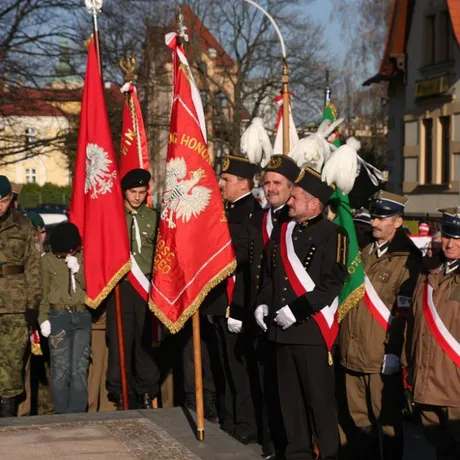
(97, 203)
(194, 251)
(134, 151)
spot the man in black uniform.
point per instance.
(304, 274)
(233, 315)
(279, 177)
(137, 318)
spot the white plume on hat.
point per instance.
(255, 143)
(314, 150)
(341, 167)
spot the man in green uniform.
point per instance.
(137, 318)
(20, 292)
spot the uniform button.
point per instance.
(134, 254)
(284, 289)
(258, 266)
(286, 278)
(257, 277)
(295, 238)
(313, 248)
(282, 299)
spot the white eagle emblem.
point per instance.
(99, 179)
(182, 196)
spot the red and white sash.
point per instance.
(376, 306)
(302, 283)
(142, 285)
(438, 329)
(267, 226)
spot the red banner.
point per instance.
(97, 204)
(194, 251)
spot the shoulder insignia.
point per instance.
(342, 249)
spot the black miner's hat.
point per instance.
(238, 166)
(310, 181)
(135, 178)
(284, 165)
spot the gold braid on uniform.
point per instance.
(350, 302)
(94, 303)
(188, 312)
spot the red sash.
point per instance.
(302, 283)
(376, 306)
(438, 329)
(267, 226)
(230, 288)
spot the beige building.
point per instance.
(421, 63)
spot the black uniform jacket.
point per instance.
(322, 246)
(257, 251)
(239, 215)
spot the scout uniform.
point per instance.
(318, 251)
(137, 318)
(372, 334)
(20, 292)
(434, 349)
(65, 318)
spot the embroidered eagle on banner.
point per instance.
(99, 178)
(182, 197)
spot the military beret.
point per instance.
(135, 178)
(65, 238)
(5, 186)
(310, 181)
(238, 166)
(36, 219)
(386, 204)
(284, 165)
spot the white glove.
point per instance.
(72, 263)
(45, 328)
(285, 318)
(234, 325)
(391, 364)
(260, 313)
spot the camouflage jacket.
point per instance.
(18, 247)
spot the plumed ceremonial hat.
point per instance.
(283, 165)
(238, 166)
(5, 186)
(386, 204)
(135, 178)
(310, 181)
(450, 222)
(65, 238)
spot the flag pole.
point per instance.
(182, 37)
(284, 79)
(94, 8)
(327, 91)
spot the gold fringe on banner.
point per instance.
(350, 302)
(94, 303)
(179, 324)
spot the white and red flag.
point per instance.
(194, 251)
(97, 204)
(293, 136)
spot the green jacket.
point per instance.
(56, 284)
(147, 219)
(18, 248)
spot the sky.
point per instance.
(320, 10)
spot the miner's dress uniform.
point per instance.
(434, 373)
(20, 289)
(305, 375)
(375, 399)
(137, 318)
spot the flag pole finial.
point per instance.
(128, 64)
(181, 27)
(94, 7)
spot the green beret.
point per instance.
(36, 219)
(5, 187)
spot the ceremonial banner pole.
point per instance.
(94, 7)
(284, 79)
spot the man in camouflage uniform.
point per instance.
(19, 295)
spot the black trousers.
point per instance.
(306, 386)
(137, 334)
(238, 363)
(208, 346)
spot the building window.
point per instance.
(430, 39)
(31, 136)
(31, 175)
(428, 141)
(445, 34)
(445, 149)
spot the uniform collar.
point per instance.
(310, 222)
(139, 211)
(241, 200)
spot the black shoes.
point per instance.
(117, 399)
(7, 407)
(144, 401)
